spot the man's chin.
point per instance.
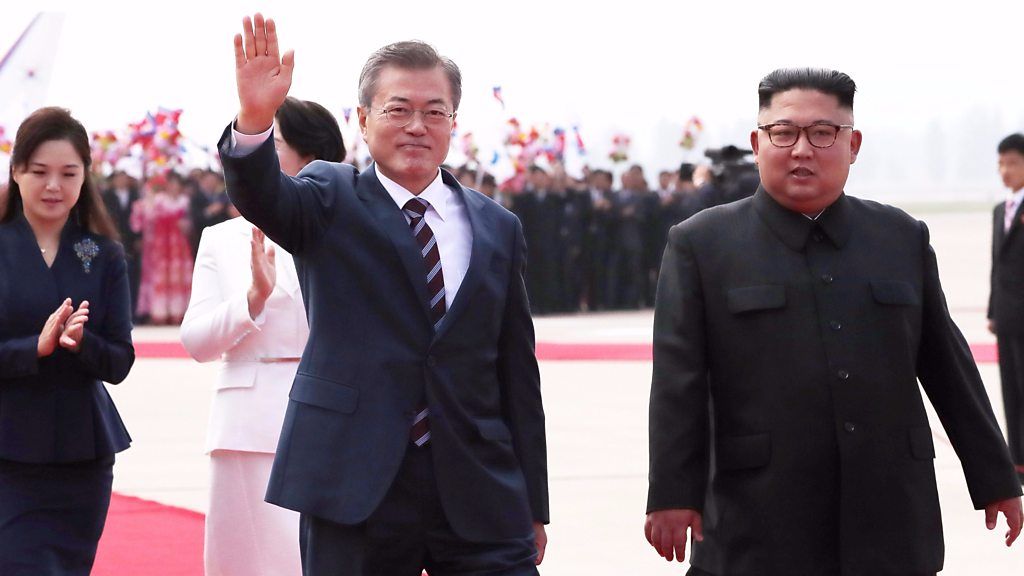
(805, 200)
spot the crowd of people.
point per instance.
(160, 223)
(591, 245)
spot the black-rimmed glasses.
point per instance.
(819, 134)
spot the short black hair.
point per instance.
(310, 130)
(823, 80)
(1013, 142)
(686, 172)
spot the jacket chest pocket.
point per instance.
(751, 299)
(894, 293)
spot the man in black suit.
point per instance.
(788, 432)
(414, 436)
(629, 221)
(598, 241)
(208, 206)
(539, 209)
(1006, 299)
(119, 199)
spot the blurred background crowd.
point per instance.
(594, 241)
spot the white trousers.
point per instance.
(246, 536)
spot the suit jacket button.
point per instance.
(842, 374)
(431, 361)
(850, 427)
(827, 278)
(835, 325)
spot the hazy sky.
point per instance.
(937, 87)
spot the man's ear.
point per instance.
(362, 112)
(855, 141)
(754, 144)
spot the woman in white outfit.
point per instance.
(246, 308)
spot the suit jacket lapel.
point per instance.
(391, 220)
(1014, 223)
(480, 254)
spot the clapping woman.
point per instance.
(65, 328)
(246, 308)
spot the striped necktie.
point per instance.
(415, 209)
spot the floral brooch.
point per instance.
(86, 250)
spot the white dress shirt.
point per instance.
(447, 216)
(1012, 204)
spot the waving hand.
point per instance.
(262, 75)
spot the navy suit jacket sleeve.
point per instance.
(19, 356)
(294, 212)
(520, 381)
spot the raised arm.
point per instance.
(262, 75)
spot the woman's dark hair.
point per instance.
(310, 130)
(820, 79)
(46, 125)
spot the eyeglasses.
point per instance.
(401, 116)
(820, 135)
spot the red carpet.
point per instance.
(548, 351)
(144, 538)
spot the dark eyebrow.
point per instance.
(65, 167)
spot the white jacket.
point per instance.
(252, 391)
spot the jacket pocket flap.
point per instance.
(740, 452)
(894, 292)
(493, 429)
(921, 445)
(752, 298)
(324, 393)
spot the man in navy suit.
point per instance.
(414, 436)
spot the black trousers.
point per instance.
(694, 571)
(406, 534)
(52, 516)
(1011, 371)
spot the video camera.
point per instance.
(736, 177)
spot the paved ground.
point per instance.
(597, 431)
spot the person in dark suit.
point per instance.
(574, 221)
(598, 241)
(788, 433)
(207, 206)
(629, 220)
(119, 200)
(66, 329)
(539, 209)
(414, 436)
(1006, 298)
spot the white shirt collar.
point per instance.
(1016, 197)
(437, 194)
